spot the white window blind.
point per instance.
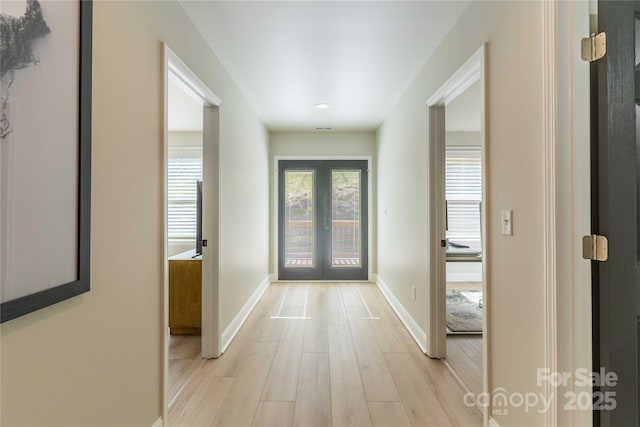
(185, 168)
(464, 194)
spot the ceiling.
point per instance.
(357, 56)
(463, 114)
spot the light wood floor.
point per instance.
(323, 354)
(464, 352)
(184, 361)
(464, 355)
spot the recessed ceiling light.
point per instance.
(322, 106)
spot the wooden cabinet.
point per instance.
(185, 294)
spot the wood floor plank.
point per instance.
(200, 403)
(184, 346)
(470, 344)
(180, 372)
(386, 333)
(282, 381)
(313, 401)
(241, 403)
(274, 414)
(184, 361)
(316, 335)
(353, 302)
(259, 328)
(386, 414)
(447, 391)
(348, 401)
(337, 312)
(417, 395)
(371, 372)
(295, 303)
(376, 378)
(465, 367)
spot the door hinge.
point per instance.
(595, 248)
(594, 47)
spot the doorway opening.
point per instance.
(457, 230)
(191, 227)
(322, 220)
(464, 251)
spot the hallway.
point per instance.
(323, 354)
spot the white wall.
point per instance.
(97, 359)
(457, 271)
(321, 144)
(189, 139)
(463, 139)
(514, 112)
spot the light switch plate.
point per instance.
(507, 222)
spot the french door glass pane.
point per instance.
(299, 219)
(345, 218)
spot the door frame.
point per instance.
(274, 211)
(472, 71)
(567, 202)
(210, 262)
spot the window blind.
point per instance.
(464, 195)
(184, 169)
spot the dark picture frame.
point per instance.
(29, 303)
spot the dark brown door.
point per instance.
(616, 213)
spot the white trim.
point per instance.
(211, 231)
(370, 197)
(165, 240)
(173, 65)
(189, 79)
(436, 255)
(549, 111)
(486, 243)
(474, 69)
(493, 422)
(232, 330)
(573, 211)
(469, 73)
(419, 336)
(158, 423)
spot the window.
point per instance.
(185, 168)
(464, 195)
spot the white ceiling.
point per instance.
(185, 114)
(357, 56)
(463, 114)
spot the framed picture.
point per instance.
(45, 153)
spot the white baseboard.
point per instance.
(493, 422)
(409, 322)
(237, 322)
(158, 423)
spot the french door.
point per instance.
(322, 220)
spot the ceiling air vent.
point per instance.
(323, 129)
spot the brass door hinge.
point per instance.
(594, 47)
(595, 248)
